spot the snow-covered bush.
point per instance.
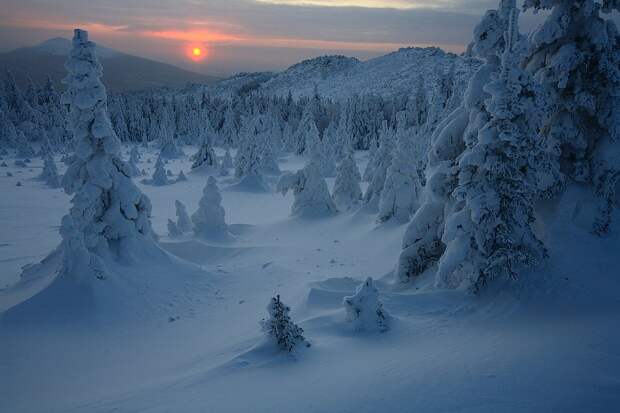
(107, 208)
(312, 198)
(209, 220)
(279, 327)
(347, 192)
(365, 310)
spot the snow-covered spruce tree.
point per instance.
(181, 177)
(209, 220)
(312, 198)
(183, 221)
(422, 243)
(230, 129)
(383, 159)
(23, 148)
(133, 162)
(306, 133)
(347, 192)
(279, 327)
(247, 160)
(205, 157)
(49, 175)
(400, 196)
(169, 148)
(490, 233)
(417, 106)
(107, 208)
(575, 54)
(173, 229)
(365, 310)
(227, 161)
(160, 177)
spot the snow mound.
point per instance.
(163, 286)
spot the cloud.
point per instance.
(241, 33)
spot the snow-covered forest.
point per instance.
(331, 238)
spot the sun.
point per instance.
(197, 52)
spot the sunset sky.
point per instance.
(246, 35)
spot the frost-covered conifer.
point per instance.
(365, 310)
(169, 147)
(312, 198)
(49, 175)
(347, 192)
(400, 196)
(383, 159)
(227, 161)
(307, 133)
(279, 327)
(575, 55)
(134, 157)
(173, 229)
(490, 232)
(422, 243)
(247, 161)
(209, 220)
(160, 177)
(183, 221)
(205, 157)
(24, 150)
(107, 208)
(181, 177)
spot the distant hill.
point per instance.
(121, 72)
(340, 76)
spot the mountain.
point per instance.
(338, 76)
(122, 72)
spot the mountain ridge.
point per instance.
(122, 72)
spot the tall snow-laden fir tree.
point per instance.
(347, 192)
(279, 327)
(306, 134)
(382, 161)
(400, 196)
(247, 160)
(490, 232)
(312, 198)
(49, 175)
(575, 55)
(160, 177)
(183, 221)
(209, 220)
(227, 161)
(422, 243)
(205, 157)
(107, 208)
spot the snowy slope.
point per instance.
(547, 343)
(338, 76)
